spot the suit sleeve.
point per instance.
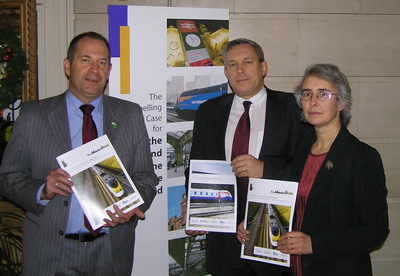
(369, 226)
(199, 143)
(140, 167)
(15, 181)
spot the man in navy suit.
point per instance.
(275, 130)
(55, 240)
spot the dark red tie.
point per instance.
(89, 130)
(240, 146)
(89, 133)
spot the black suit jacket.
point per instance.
(346, 213)
(282, 131)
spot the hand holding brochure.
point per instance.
(100, 180)
(211, 197)
(269, 210)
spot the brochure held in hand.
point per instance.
(100, 180)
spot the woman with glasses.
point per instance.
(341, 211)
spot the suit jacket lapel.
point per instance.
(58, 122)
(323, 180)
(221, 123)
(273, 118)
(301, 155)
(111, 118)
(329, 168)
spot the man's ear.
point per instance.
(264, 67)
(67, 65)
(109, 70)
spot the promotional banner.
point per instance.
(169, 61)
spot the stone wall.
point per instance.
(360, 36)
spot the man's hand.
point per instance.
(57, 183)
(247, 165)
(122, 217)
(195, 233)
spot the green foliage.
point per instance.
(13, 63)
(10, 248)
(10, 239)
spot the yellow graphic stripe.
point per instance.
(124, 60)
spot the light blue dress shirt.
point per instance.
(75, 119)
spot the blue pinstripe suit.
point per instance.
(40, 134)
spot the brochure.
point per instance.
(211, 197)
(100, 180)
(269, 215)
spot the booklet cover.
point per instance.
(269, 215)
(100, 180)
(211, 204)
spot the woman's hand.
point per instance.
(295, 243)
(242, 234)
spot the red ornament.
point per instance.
(6, 57)
(8, 50)
(13, 54)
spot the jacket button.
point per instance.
(306, 264)
(65, 203)
(61, 232)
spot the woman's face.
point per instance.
(320, 113)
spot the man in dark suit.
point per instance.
(275, 129)
(55, 240)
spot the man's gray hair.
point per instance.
(240, 41)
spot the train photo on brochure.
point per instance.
(274, 229)
(112, 183)
(209, 195)
(189, 101)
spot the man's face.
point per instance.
(89, 71)
(244, 72)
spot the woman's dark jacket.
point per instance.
(346, 213)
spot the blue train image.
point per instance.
(111, 182)
(274, 229)
(209, 195)
(189, 101)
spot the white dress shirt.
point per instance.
(257, 113)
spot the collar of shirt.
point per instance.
(256, 100)
(75, 117)
(257, 122)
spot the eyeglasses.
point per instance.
(322, 95)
